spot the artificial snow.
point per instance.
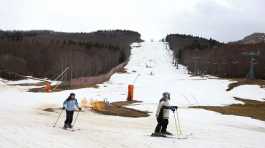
(25, 125)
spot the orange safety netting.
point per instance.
(48, 87)
(93, 104)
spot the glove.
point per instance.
(80, 108)
(63, 108)
(175, 107)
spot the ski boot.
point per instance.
(65, 126)
(168, 133)
(158, 135)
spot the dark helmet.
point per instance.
(166, 95)
(72, 94)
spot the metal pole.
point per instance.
(179, 122)
(136, 78)
(61, 73)
(251, 73)
(178, 133)
(76, 118)
(55, 123)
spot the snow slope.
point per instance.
(24, 125)
(253, 92)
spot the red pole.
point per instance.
(130, 92)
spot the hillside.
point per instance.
(203, 56)
(254, 38)
(183, 41)
(44, 53)
(24, 124)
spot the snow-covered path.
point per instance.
(24, 125)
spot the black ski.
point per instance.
(182, 136)
(158, 135)
(171, 136)
(71, 129)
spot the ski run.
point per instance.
(24, 124)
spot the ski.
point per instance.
(71, 129)
(182, 136)
(171, 136)
(178, 137)
(158, 135)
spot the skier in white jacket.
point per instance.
(162, 115)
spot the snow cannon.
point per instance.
(130, 92)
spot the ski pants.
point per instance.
(69, 117)
(161, 125)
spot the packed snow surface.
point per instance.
(252, 92)
(25, 125)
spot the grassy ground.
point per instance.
(250, 108)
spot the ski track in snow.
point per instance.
(24, 125)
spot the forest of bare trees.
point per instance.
(203, 56)
(47, 53)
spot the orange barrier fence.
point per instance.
(48, 87)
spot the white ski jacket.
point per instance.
(165, 111)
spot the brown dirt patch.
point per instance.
(63, 87)
(29, 84)
(250, 108)
(125, 103)
(122, 70)
(114, 109)
(239, 82)
(49, 109)
(118, 109)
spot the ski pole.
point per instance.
(76, 118)
(55, 123)
(180, 131)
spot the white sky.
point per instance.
(224, 20)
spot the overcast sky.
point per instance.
(224, 20)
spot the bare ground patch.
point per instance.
(119, 109)
(29, 84)
(122, 70)
(114, 109)
(63, 87)
(250, 108)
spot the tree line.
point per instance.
(43, 53)
(207, 56)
